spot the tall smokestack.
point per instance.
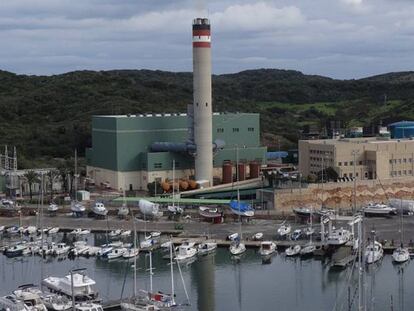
(202, 100)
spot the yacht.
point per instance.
(61, 249)
(147, 243)
(267, 248)
(339, 237)
(284, 230)
(130, 253)
(116, 253)
(241, 208)
(206, 248)
(2, 228)
(185, 252)
(400, 255)
(99, 209)
(77, 208)
(373, 252)
(15, 250)
(30, 297)
(83, 286)
(293, 250)
(29, 230)
(378, 209)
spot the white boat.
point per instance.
(52, 208)
(83, 286)
(11, 303)
(173, 209)
(206, 248)
(284, 230)
(61, 249)
(30, 296)
(125, 233)
(185, 252)
(123, 211)
(237, 248)
(233, 236)
(99, 209)
(130, 253)
(293, 250)
(29, 230)
(53, 230)
(80, 248)
(47, 248)
(12, 230)
(166, 245)
(148, 208)
(2, 228)
(155, 234)
(88, 306)
(92, 251)
(148, 243)
(339, 237)
(31, 248)
(257, 236)
(373, 252)
(15, 250)
(377, 209)
(115, 233)
(267, 248)
(79, 231)
(400, 255)
(308, 249)
(105, 249)
(55, 302)
(77, 208)
(116, 253)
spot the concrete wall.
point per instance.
(340, 195)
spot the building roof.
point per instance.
(402, 123)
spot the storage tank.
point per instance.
(242, 171)
(403, 129)
(254, 168)
(166, 186)
(192, 184)
(183, 185)
(227, 172)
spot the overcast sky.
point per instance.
(336, 38)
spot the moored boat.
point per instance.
(293, 250)
(241, 208)
(206, 248)
(267, 248)
(83, 286)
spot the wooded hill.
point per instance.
(49, 116)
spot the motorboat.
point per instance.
(267, 248)
(6, 204)
(83, 286)
(373, 252)
(31, 248)
(15, 250)
(29, 230)
(308, 249)
(47, 248)
(77, 208)
(284, 230)
(80, 248)
(241, 208)
(99, 209)
(296, 235)
(155, 234)
(55, 302)
(257, 236)
(166, 245)
(126, 233)
(116, 253)
(206, 248)
(147, 243)
(79, 231)
(61, 249)
(209, 212)
(105, 249)
(302, 211)
(293, 250)
(185, 252)
(130, 253)
(123, 211)
(377, 209)
(12, 230)
(115, 233)
(30, 296)
(176, 210)
(339, 237)
(10, 302)
(400, 255)
(237, 248)
(91, 251)
(53, 230)
(88, 306)
(233, 236)
(52, 208)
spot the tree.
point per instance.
(52, 175)
(31, 178)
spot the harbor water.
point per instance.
(219, 282)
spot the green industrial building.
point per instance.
(122, 156)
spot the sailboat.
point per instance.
(374, 251)
(237, 247)
(401, 254)
(76, 207)
(123, 211)
(173, 209)
(310, 247)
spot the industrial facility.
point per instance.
(130, 151)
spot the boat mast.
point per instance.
(135, 248)
(173, 185)
(41, 230)
(238, 190)
(402, 224)
(150, 270)
(76, 174)
(172, 271)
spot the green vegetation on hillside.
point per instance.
(49, 116)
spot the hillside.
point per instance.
(50, 115)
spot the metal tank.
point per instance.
(227, 172)
(254, 169)
(242, 171)
(203, 136)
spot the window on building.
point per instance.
(399, 161)
(405, 172)
(360, 162)
(356, 174)
(350, 175)
(366, 174)
(235, 129)
(399, 173)
(206, 104)
(345, 175)
(390, 161)
(220, 130)
(410, 172)
(410, 160)
(405, 160)
(339, 163)
(351, 163)
(250, 129)
(157, 165)
(345, 163)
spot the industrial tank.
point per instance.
(227, 172)
(242, 171)
(403, 129)
(254, 168)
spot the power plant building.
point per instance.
(122, 155)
